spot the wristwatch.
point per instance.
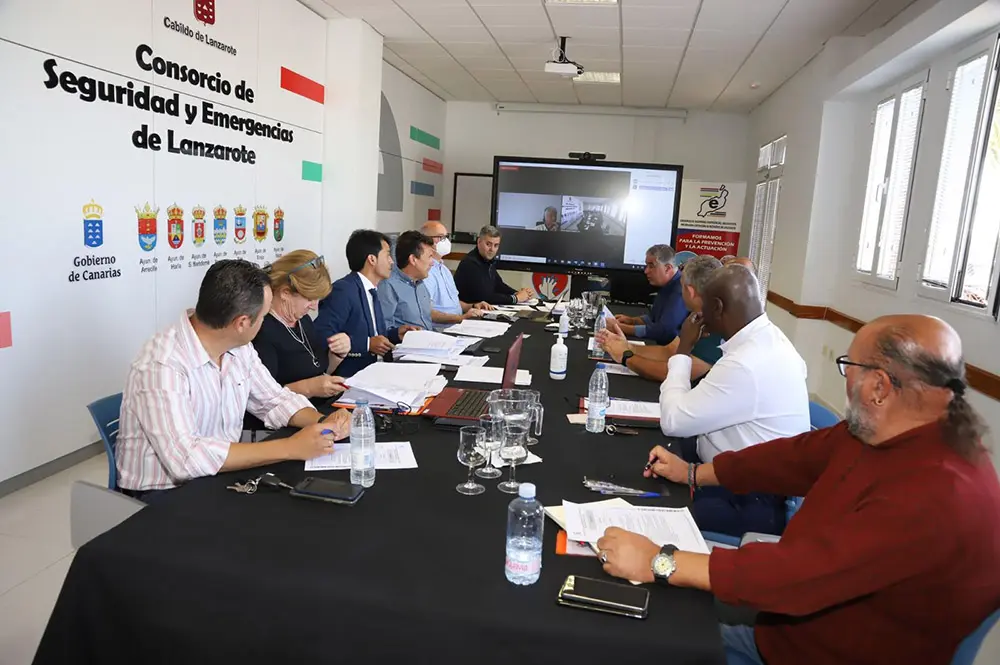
(626, 354)
(663, 564)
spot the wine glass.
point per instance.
(470, 454)
(514, 450)
(537, 413)
(492, 426)
(575, 309)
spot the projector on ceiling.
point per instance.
(569, 69)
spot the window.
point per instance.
(896, 125)
(770, 166)
(960, 259)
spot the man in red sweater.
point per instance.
(894, 556)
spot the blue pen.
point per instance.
(326, 431)
(643, 495)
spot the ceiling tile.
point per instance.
(581, 52)
(502, 3)
(509, 91)
(576, 16)
(321, 8)
(721, 40)
(532, 34)
(459, 49)
(532, 14)
(484, 62)
(448, 33)
(589, 34)
(436, 15)
(535, 52)
(484, 75)
(597, 93)
(731, 15)
(673, 16)
(650, 54)
(655, 37)
(602, 65)
(404, 49)
(880, 13)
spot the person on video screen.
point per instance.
(550, 220)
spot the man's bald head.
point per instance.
(741, 261)
(908, 371)
(432, 229)
(731, 300)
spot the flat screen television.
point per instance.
(567, 215)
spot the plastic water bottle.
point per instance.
(557, 360)
(564, 323)
(362, 445)
(599, 325)
(525, 521)
(597, 399)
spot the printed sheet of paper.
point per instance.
(388, 455)
(587, 522)
(491, 375)
(478, 328)
(626, 408)
(619, 369)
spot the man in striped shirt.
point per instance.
(187, 392)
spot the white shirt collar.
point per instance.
(366, 283)
(746, 333)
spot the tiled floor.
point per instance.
(35, 554)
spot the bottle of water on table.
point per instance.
(597, 399)
(525, 520)
(362, 445)
(599, 325)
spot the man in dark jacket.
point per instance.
(477, 279)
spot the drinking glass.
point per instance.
(514, 451)
(492, 427)
(575, 309)
(537, 414)
(470, 454)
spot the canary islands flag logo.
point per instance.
(93, 224)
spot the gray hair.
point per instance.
(489, 231)
(910, 365)
(698, 271)
(664, 254)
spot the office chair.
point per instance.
(105, 413)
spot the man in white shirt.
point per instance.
(188, 390)
(756, 392)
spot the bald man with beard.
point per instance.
(893, 556)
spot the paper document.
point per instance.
(614, 368)
(588, 521)
(479, 328)
(627, 408)
(516, 308)
(577, 418)
(426, 341)
(590, 343)
(388, 455)
(455, 361)
(386, 384)
(558, 514)
(491, 375)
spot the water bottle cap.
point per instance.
(526, 490)
(361, 402)
(600, 366)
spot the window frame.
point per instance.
(894, 92)
(946, 294)
(767, 174)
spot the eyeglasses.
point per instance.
(843, 363)
(318, 262)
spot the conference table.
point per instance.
(414, 571)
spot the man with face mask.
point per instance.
(755, 392)
(893, 555)
(447, 308)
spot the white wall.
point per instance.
(73, 340)
(826, 111)
(409, 105)
(711, 146)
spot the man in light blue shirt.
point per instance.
(404, 296)
(446, 307)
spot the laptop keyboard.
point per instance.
(471, 404)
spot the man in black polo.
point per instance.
(477, 279)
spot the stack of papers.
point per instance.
(387, 385)
(388, 455)
(424, 346)
(626, 408)
(491, 375)
(478, 328)
(586, 522)
(615, 368)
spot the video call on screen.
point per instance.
(583, 215)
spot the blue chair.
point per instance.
(821, 417)
(105, 413)
(969, 648)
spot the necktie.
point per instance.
(379, 320)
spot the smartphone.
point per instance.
(332, 491)
(587, 593)
(636, 424)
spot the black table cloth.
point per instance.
(414, 571)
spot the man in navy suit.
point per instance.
(353, 308)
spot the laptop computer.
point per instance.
(470, 403)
